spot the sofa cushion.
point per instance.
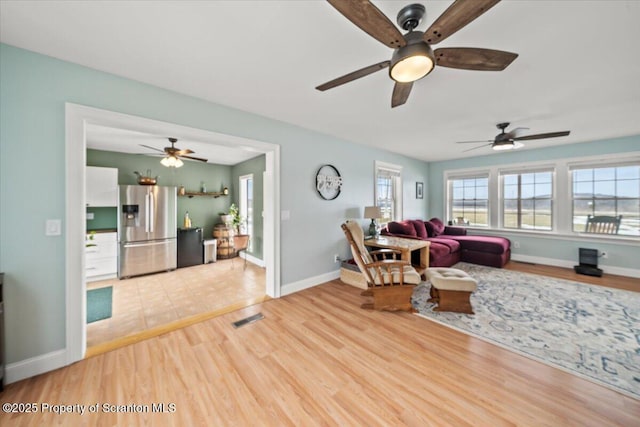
(421, 230)
(438, 226)
(402, 227)
(451, 245)
(488, 244)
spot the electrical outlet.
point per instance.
(516, 245)
(336, 258)
(604, 255)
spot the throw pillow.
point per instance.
(430, 229)
(421, 230)
(403, 227)
(438, 226)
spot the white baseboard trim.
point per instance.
(35, 366)
(309, 282)
(607, 269)
(250, 258)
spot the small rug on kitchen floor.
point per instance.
(99, 302)
(587, 330)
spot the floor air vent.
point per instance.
(248, 320)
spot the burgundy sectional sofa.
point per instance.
(452, 244)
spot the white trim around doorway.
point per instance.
(76, 119)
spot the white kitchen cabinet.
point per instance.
(102, 186)
(101, 260)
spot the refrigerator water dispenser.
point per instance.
(130, 217)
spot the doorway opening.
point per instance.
(77, 118)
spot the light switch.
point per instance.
(285, 215)
(53, 227)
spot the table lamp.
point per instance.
(373, 212)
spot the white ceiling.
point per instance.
(578, 69)
(127, 141)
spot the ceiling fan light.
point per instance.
(502, 146)
(411, 62)
(171, 162)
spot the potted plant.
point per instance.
(232, 218)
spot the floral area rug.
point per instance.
(588, 330)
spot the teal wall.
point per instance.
(104, 218)
(625, 255)
(255, 166)
(33, 92)
(203, 211)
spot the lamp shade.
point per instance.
(372, 212)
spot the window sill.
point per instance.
(614, 239)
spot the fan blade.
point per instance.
(370, 20)
(473, 142)
(151, 148)
(459, 14)
(401, 92)
(353, 76)
(474, 58)
(543, 135)
(183, 152)
(475, 148)
(194, 158)
(514, 133)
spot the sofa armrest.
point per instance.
(455, 231)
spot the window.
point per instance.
(388, 191)
(610, 191)
(246, 206)
(469, 200)
(527, 200)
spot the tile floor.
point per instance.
(144, 302)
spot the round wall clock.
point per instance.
(328, 182)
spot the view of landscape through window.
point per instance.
(527, 199)
(470, 201)
(609, 191)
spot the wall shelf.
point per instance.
(214, 194)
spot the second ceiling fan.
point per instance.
(173, 155)
(413, 57)
(511, 140)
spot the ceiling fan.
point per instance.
(413, 58)
(173, 155)
(510, 140)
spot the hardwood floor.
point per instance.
(609, 280)
(318, 359)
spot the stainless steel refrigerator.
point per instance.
(146, 230)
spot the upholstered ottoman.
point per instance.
(451, 289)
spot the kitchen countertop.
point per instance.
(103, 230)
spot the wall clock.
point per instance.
(328, 182)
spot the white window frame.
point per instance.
(449, 194)
(246, 227)
(562, 208)
(384, 168)
(595, 165)
(521, 171)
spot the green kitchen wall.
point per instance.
(204, 211)
(104, 218)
